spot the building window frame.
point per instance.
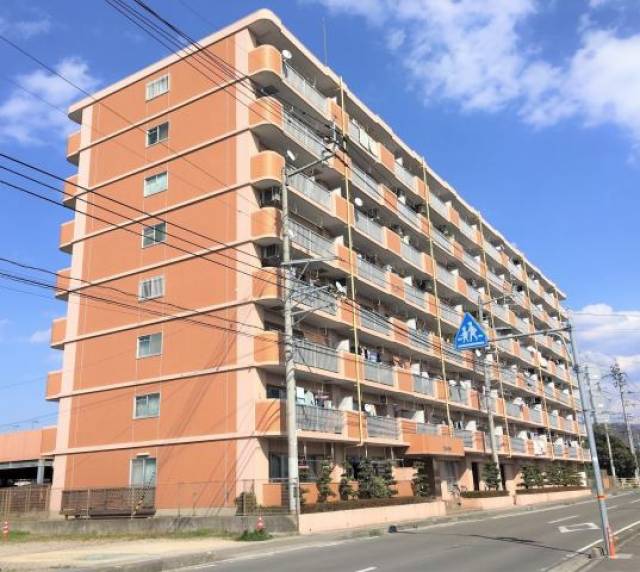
(153, 281)
(150, 86)
(150, 338)
(157, 134)
(154, 234)
(151, 179)
(145, 459)
(145, 397)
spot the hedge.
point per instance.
(361, 503)
(483, 494)
(542, 490)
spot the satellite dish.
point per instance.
(358, 202)
(286, 55)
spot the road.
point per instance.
(524, 542)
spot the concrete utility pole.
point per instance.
(603, 420)
(607, 533)
(487, 397)
(620, 381)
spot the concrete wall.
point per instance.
(524, 500)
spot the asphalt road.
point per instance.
(524, 542)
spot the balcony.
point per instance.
(558, 450)
(471, 262)
(450, 314)
(366, 183)
(458, 394)
(423, 385)
(71, 190)
(420, 339)
(54, 385)
(58, 333)
(372, 273)
(428, 439)
(63, 283)
(535, 415)
(67, 230)
(303, 135)
(309, 240)
(408, 214)
(446, 277)
(514, 410)
(73, 148)
(438, 206)
(383, 427)
(519, 445)
(304, 87)
(374, 321)
(515, 270)
(360, 136)
(314, 355)
(414, 295)
(442, 241)
(369, 227)
(574, 452)
(312, 418)
(310, 189)
(469, 231)
(411, 254)
(378, 372)
(492, 251)
(405, 177)
(313, 297)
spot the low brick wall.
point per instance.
(360, 517)
(536, 498)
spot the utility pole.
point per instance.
(605, 422)
(619, 380)
(289, 365)
(588, 421)
(487, 398)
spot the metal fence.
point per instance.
(372, 273)
(120, 501)
(312, 418)
(310, 189)
(386, 427)
(314, 355)
(422, 384)
(23, 500)
(378, 372)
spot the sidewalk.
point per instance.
(150, 555)
(628, 557)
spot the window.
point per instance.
(155, 184)
(154, 234)
(149, 345)
(278, 466)
(157, 87)
(143, 471)
(150, 288)
(275, 392)
(147, 406)
(157, 133)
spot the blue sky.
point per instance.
(529, 108)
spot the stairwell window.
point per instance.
(157, 87)
(151, 288)
(149, 345)
(146, 406)
(154, 234)
(156, 184)
(157, 134)
(143, 471)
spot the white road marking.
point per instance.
(592, 544)
(370, 569)
(612, 507)
(634, 501)
(562, 519)
(579, 527)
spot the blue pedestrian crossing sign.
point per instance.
(470, 335)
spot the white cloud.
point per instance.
(27, 119)
(474, 53)
(25, 29)
(40, 336)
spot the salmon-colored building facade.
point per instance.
(172, 373)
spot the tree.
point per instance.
(365, 479)
(303, 476)
(532, 477)
(345, 490)
(387, 477)
(491, 476)
(421, 482)
(555, 475)
(622, 457)
(570, 477)
(323, 482)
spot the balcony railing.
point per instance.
(523, 326)
(535, 415)
(414, 295)
(466, 436)
(407, 213)
(385, 427)
(441, 240)
(445, 276)
(514, 410)
(500, 312)
(468, 230)
(310, 354)
(419, 339)
(310, 189)
(471, 262)
(378, 372)
(405, 176)
(458, 394)
(518, 445)
(365, 182)
(371, 228)
(372, 273)
(573, 452)
(374, 321)
(438, 206)
(515, 270)
(450, 314)
(303, 86)
(564, 397)
(360, 136)
(313, 297)
(554, 421)
(427, 429)
(303, 135)
(312, 418)
(558, 450)
(495, 280)
(411, 254)
(423, 385)
(310, 240)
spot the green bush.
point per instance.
(421, 483)
(255, 535)
(363, 503)
(555, 475)
(345, 490)
(532, 477)
(491, 476)
(366, 481)
(324, 481)
(543, 490)
(483, 494)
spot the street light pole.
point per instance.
(588, 421)
(487, 397)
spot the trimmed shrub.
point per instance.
(345, 490)
(324, 481)
(532, 477)
(543, 490)
(491, 476)
(420, 481)
(483, 494)
(363, 503)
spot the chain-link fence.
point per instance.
(24, 500)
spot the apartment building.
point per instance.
(173, 372)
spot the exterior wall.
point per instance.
(26, 445)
